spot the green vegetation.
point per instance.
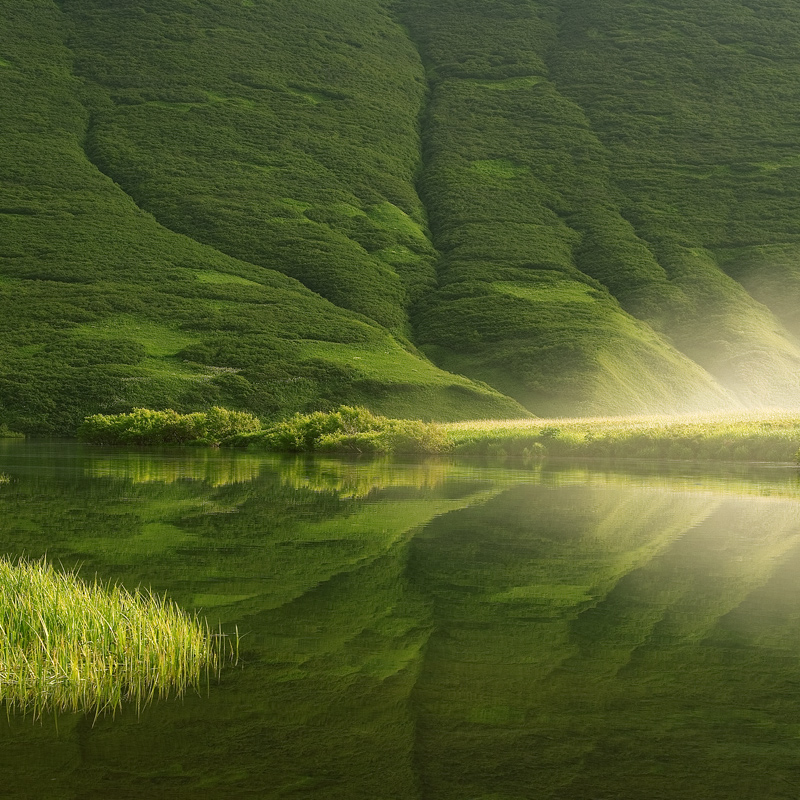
(574, 207)
(347, 429)
(623, 161)
(165, 190)
(765, 436)
(143, 426)
(70, 646)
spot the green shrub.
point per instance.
(6, 433)
(145, 426)
(348, 429)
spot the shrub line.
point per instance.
(755, 436)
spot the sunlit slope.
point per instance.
(587, 163)
(104, 307)
(694, 106)
(590, 206)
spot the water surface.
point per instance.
(432, 630)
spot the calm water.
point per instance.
(432, 630)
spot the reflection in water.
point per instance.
(214, 467)
(358, 480)
(431, 630)
(576, 663)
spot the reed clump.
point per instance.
(71, 646)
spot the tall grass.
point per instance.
(67, 645)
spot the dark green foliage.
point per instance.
(105, 309)
(257, 129)
(144, 426)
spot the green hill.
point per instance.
(436, 209)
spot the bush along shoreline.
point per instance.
(349, 429)
(144, 426)
(754, 436)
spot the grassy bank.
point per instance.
(751, 436)
(71, 646)
(754, 436)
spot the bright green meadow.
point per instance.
(755, 436)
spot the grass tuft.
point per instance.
(66, 645)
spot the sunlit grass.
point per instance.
(67, 645)
(770, 435)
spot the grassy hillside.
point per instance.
(105, 306)
(588, 206)
(647, 149)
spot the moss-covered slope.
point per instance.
(590, 206)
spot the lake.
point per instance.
(438, 630)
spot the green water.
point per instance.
(432, 630)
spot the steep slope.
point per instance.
(694, 105)
(618, 143)
(106, 307)
(216, 201)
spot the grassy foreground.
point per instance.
(754, 436)
(66, 645)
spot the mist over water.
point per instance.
(430, 630)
